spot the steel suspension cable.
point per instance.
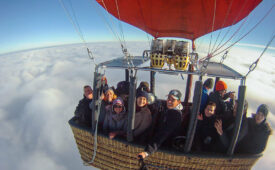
(219, 45)
(105, 20)
(120, 25)
(268, 12)
(213, 55)
(226, 17)
(113, 26)
(213, 24)
(76, 27)
(254, 64)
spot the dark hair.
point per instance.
(209, 83)
(86, 86)
(211, 104)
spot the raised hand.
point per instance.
(218, 126)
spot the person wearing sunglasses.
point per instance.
(115, 122)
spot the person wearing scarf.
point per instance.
(115, 122)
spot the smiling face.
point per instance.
(171, 103)
(209, 110)
(259, 117)
(88, 92)
(118, 108)
(141, 101)
(109, 95)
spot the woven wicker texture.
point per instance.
(113, 154)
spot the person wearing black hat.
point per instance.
(143, 86)
(169, 124)
(143, 117)
(258, 132)
(207, 85)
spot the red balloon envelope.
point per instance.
(188, 19)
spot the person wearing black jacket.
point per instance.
(225, 134)
(223, 108)
(168, 126)
(207, 137)
(83, 113)
(258, 133)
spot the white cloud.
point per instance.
(40, 89)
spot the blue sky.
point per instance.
(37, 23)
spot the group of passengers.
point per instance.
(216, 123)
(158, 123)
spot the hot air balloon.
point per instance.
(162, 18)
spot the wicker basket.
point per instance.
(115, 154)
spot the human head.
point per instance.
(109, 95)
(118, 105)
(261, 114)
(245, 107)
(88, 92)
(173, 99)
(144, 86)
(208, 83)
(142, 98)
(210, 109)
(122, 88)
(221, 87)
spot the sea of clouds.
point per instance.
(40, 89)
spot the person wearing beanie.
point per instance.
(143, 117)
(168, 125)
(219, 96)
(143, 86)
(115, 122)
(258, 132)
(207, 85)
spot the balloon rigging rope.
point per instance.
(219, 45)
(247, 32)
(120, 25)
(213, 24)
(225, 19)
(232, 36)
(114, 32)
(73, 22)
(106, 22)
(254, 65)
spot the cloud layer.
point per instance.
(40, 89)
